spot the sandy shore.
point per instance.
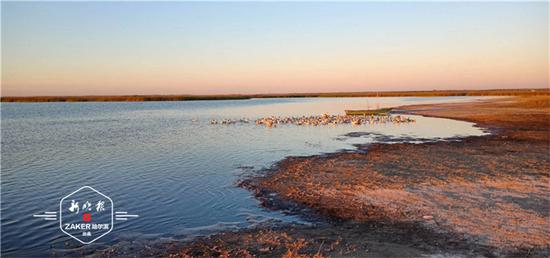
(481, 196)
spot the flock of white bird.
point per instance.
(273, 121)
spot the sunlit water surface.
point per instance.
(165, 162)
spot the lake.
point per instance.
(166, 162)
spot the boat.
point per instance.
(368, 112)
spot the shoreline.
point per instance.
(187, 97)
(481, 196)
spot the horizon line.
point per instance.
(190, 97)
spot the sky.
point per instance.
(117, 48)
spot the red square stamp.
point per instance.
(87, 217)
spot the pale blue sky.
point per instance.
(74, 48)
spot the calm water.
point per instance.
(164, 161)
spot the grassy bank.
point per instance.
(138, 98)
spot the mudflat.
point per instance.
(477, 196)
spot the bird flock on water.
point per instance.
(325, 119)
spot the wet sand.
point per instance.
(480, 196)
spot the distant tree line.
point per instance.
(434, 93)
